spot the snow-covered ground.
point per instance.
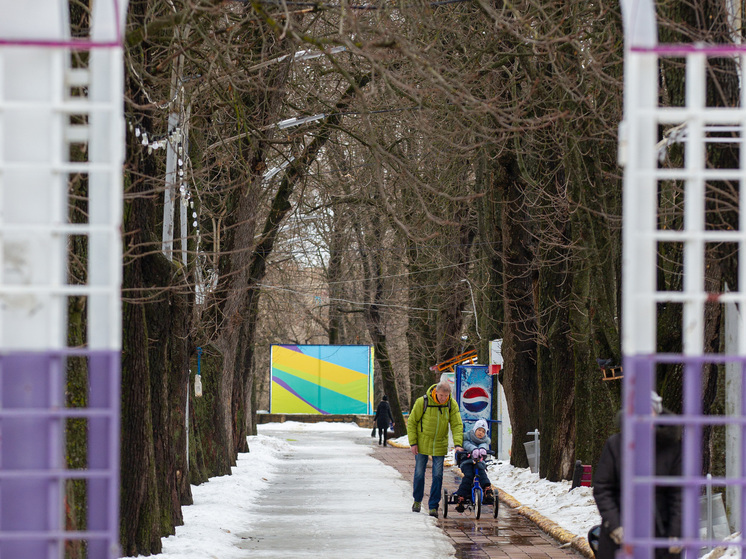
(575, 510)
(310, 490)
(219, 523)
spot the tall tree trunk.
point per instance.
(455, 293)
(168, 322)
(519, 344)
(140, 506)
(491, 248)
(154, 384)
(387, 371)
(555, 364)
(334, 278)
(421, 337)
(373, 285)
(595, 280)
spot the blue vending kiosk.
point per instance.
(474, 394)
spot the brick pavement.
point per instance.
(509, 536)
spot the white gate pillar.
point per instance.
(60, 120)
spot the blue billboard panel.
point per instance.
(474, 394)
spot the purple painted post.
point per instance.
(103, 453)
(692, 450)
(32, 462)
(639, 480)
(31, 455)
(638, 440)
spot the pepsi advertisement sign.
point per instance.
(474, 393)
(475, 399)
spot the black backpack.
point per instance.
(425, 404)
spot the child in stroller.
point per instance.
(471, 462)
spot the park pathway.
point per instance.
(509, 536)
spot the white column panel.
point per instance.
(33, 20)
(694, 215)
(105, 204)
(33, 197)
(640, 204)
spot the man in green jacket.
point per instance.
(427, 429)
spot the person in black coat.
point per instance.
(607, 490)
(383, 418)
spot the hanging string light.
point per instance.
(173, 136)
(206, 278)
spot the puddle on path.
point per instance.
(468, 551)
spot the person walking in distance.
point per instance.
(383, 419)
(427, 430)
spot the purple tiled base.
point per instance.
(638, 468)
(32, 454)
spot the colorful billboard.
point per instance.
(321, 379)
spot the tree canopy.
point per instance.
(399, 174)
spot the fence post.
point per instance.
(537, 450)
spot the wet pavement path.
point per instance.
(510, 535)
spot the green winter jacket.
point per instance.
(431, 434)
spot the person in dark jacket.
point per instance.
(383, 419)
(607, 490)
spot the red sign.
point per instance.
(494, 369)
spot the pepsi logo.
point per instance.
(475, 399)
